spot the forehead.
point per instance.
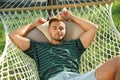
(57, 23)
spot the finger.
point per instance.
(42, 20)
(65, 12)
(64, 9)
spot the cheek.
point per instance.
(64, 31)
(52, 32)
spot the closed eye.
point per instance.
(54, 27)
(61, 28)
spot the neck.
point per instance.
(56, 42)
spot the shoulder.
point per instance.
(33, 45)
(75, 42)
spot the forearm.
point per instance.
(23, 30)
(84, 24)
(17, 36)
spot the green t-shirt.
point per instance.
(52, 59)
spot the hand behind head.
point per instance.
(39, 21)
(65, 14)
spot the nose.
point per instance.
(58, 30)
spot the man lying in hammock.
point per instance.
(59, 60)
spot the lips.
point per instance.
(59, 34)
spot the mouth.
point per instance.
(59, 34)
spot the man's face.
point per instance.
(57, 30)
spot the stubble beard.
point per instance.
(56, 39)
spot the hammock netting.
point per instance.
(15, 65)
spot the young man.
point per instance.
(59, 60)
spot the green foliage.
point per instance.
(107, 48)
(2, 38)
(116, 14)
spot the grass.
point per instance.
(2, 37)
(115, 15)
(116, 19)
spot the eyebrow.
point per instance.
(59, 26)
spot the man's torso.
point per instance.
(52, 59)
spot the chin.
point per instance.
(60, 39)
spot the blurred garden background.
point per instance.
(115, 15)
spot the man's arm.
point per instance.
(18, 38)
(89, 28)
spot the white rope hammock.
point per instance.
(15, 65)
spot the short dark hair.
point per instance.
(55, 18)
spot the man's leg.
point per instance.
(109, 70)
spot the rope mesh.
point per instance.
(15, 65)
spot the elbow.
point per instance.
(10, 35)
(96, 28)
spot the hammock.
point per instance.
(15, 65)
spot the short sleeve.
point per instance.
(31, 50)
(80, 45)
